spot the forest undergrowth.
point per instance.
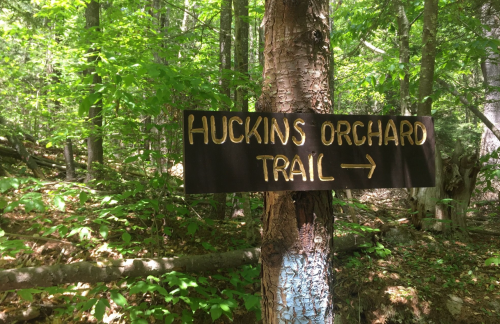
(403, 276)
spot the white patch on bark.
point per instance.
(302, 290)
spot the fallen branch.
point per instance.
(9, 152)
(41, 238)
(110, 270)
(483, 232)
(18, 315)
(90, 272)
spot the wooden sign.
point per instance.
(234, 152)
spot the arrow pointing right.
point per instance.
(370, 166)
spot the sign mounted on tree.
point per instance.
(235, 151)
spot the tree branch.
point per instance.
(471, 107)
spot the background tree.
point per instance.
(94, 141)
(490, 67)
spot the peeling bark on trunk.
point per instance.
(297, 246)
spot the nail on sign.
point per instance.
(235, 152)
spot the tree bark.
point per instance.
(490, 17)
(219, 210)
(444, 207)
(428, 57)
(241, 51)
(404, 57)
(297, 247)
(95, 140)
(70, 162)
(225, 47)
(420, 197)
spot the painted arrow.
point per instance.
(370, 166)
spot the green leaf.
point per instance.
(25, 294)
(131, 159)
(490, 261)
(170, 318)
(100, 308)
(251, 301)
(3, 203)
(118, 298)
(88, 304)
(83, 197)
(192, 228)
(126, 237)
(103, 230)
(83, 108)
(208, 246)
(139, 321)
(215, 312)
(59, 203)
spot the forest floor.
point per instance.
(408, 277)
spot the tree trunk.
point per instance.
(219, 210)
(70, 162)
(94, 141)
(404, 57)
(428, 57)
(241, 51)
(444, 207)
(297, 247)
(421, 197)
(491, 73)
(225, 47)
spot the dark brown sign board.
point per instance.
(236, 152)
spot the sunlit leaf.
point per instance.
(118, 298)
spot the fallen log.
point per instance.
(18, 145)
(90, 272)
(14, 315)
(9, 152)
(111, 270)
